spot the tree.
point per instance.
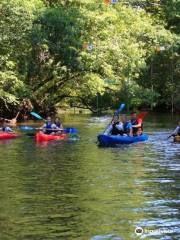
(120, 41)
(16, 22)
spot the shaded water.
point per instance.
(76, 190)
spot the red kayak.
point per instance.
(7, 135)
(42, 137)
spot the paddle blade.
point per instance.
(142, 115)
(26, 128)
(121, 107)
(70, 130)
(36, 115)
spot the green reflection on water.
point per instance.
(76, 190)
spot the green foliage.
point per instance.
(16, 21)
(121, 39)
(70, 51)
(171, 10)
(9, 86)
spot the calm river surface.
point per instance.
(77, 190)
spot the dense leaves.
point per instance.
(16, 21)
(70, 52)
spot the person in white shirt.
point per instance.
(116, 127)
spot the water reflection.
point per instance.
(76, 190)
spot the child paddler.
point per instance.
(49, 127)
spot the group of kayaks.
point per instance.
(39, 135)
(69, 133)
(103, 139)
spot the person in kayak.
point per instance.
(49, 127)
(137, 124)
(116, 127)
(11, 122)
(4, 127)
(176, 132)
(127, 126)
(58, 123)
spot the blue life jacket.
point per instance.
(7, 129)
(127, 126)
(49, 125)
(134, 121)
(48, 128)
(58, 124)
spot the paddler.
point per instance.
(127, 126)
(176, 131)
(137, 124)
(49, 126)
(116, 127)
(11, 122)
(58, 123)
(4, 127)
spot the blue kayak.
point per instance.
(106, 140)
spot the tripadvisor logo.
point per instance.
(139, 231)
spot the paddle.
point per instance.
(142, 115)
(36, 115)
(13, 121)
(26, 128)
(71, 131)
(175, 132)
(121, 107)
(170, 136)
(52, 129)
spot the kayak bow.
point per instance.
(6, 135)
(42, 137)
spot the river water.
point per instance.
(77, 190)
